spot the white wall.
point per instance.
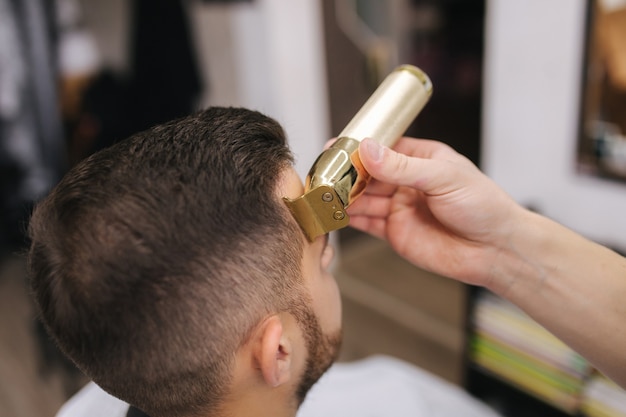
(268, 55)
(534, 53)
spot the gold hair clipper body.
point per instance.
(337, 177)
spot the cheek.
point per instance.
(329, 301)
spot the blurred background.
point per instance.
(533, 92)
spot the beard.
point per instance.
(323, 350)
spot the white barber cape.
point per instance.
(378, 386)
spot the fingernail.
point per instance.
(374, 150)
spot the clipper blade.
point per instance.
(318, 211)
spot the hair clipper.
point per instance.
(337, 177)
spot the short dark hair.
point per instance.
(152, 260)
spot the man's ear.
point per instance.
(274, 352)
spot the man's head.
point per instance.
(167, 268)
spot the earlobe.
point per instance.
(274, 353)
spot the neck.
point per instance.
(251, 396)
(276, 402)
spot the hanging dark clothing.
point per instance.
(165, 82)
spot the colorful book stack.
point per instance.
(511, 346)
(603, 398)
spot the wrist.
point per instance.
(519, 264)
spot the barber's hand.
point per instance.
(435, 208)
